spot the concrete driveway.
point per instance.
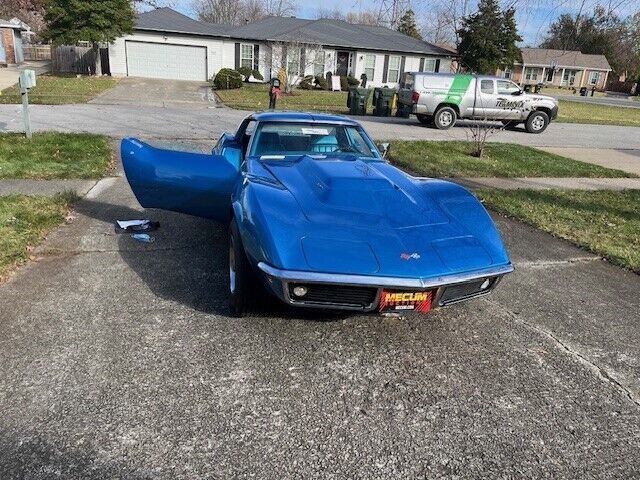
(158, 93)
(118, 360)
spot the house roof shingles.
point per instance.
(328, 32)
(563, 58)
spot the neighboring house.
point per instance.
(11, 51)
(561, 68)
(167, 44)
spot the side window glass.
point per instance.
(486, 86)
(507, 88)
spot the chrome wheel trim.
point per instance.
(232, 267)
(538, 122)
(446, 118)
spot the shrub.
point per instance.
(246, 72)
(226, 79)
(344, 83)
(321, 82)
(306, 83)
(257, 75)
(353, 81)
(282, 76)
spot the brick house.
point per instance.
(559, 68)
(11, 52)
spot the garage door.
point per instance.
(159, 60)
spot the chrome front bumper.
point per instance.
(439, 283)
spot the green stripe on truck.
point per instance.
(458, 88)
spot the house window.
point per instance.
(318, 63)
(393, 74)
(593, 78)
(369, 66)
(533, 74)
(293, 61)
(246, 55)
(569, 77)
(508, 73)
(429, 65)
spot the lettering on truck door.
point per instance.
(509, 106)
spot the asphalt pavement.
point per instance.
(611, 101)
(118, 360)
(149, 122)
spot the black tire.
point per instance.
(424, 119)
(444, 118)
(537, 122)
(240, 274)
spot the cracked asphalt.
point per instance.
(118, 360)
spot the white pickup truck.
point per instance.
(441, 99)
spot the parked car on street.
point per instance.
(319, 218)
(441, 99)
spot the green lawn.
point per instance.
(24, 222)
(575, 112)
(256, 97)
(61, 89)
(54, 155)
(452, 159)
(604, 222)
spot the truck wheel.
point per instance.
(537, 122)
(424, 119)
(445, 118)
(239, 273)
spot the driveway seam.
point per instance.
(600, 371)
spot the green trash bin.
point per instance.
(357, 100)
(382, 101)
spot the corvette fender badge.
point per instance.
(409, 256)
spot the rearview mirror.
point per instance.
(384, 149)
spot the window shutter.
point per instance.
(402, 59)
(437, 66)
(422, 64)
(256, 56)
(385, 69)
(303, 61)
(237, 62)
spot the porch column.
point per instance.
(524, 71)
(582, 78)
(562, 77)
(604, 83)
(544, 78)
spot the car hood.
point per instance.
(368, 217)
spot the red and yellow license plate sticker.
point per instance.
(399, 301)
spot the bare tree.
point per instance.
(364, 17)
(280, 8)
(293, 57)
(232, 12)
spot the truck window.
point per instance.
(486, 86)
(506, 87)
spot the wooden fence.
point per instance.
(37, 52)
(80, 60)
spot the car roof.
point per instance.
(305, 117)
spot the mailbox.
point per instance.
(27, 80)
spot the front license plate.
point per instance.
(394, 300)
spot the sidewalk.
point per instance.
(47, 188)
(543, 183)
(625, 159)
(9, 75)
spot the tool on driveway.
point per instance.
(128, 226)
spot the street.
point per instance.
(208, 123)
(118, 360)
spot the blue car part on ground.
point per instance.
(315, 208)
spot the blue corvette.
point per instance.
(321, 219)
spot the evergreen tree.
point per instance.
(95, 21)
(488, 38)
(407, 25)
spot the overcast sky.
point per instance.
(534, 16)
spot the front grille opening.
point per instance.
(333, 295)
(464, 291)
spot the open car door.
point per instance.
(193, 183)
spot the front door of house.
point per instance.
(550, 75)
(342, 64)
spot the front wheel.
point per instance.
(537, 122)
(445, 118)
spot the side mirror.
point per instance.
(384, 149)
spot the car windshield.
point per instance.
(317, 139)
